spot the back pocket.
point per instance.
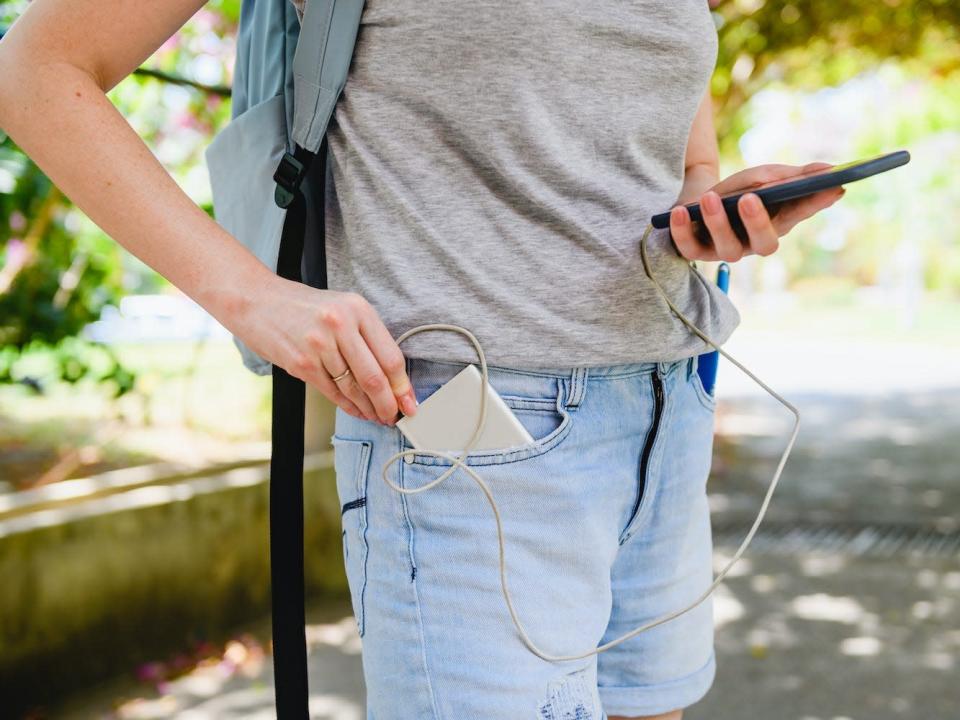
(351, 461)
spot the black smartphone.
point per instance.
(777, 192)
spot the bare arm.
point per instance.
(59, 60)
(702, 160)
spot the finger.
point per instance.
(803, 208)
(311, 368)
(727, 244)
(332, 361)
(815, 167)
(756, 176)
(682, 232)
(349, 387)
(332, 392)
(313, 371)
(390, 358)
(368, 375)
(764, 239)
(351, 409)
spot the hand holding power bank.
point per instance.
(447, 419)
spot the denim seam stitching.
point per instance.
(516, 402)
(550, 373)
(353, 504)
(708, 401)
(549, 443)
(411, 546)
(580, 377)
(712, 660)
(364, 516)
(362, 471)
(416, 589)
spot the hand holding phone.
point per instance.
(760, 204)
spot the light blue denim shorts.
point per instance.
(606, 527)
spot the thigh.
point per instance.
(438, 640)
(664, 564)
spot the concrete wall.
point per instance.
(99, 574)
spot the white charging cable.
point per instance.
(458, 462)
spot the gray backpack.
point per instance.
(268, 193)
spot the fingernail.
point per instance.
(408, 403)
(751, 204)
(711, 202)
(679, 215)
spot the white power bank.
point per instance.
(447, 419)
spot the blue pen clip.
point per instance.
(707, 363)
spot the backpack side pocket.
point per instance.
(241, 161)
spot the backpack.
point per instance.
(268, 193)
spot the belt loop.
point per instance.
(577, 388)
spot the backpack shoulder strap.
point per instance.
(320, 65)
(321, 61)
(328, 33)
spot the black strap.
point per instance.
(286, 462)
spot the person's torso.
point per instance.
(494, 164)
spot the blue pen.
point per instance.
(707, 363)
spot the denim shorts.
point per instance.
(606, 527)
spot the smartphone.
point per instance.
(447, 419)
(779, 191)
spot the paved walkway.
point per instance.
(804, 632)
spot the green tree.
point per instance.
(58, 270)
(814, 43)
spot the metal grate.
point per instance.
(867, 540)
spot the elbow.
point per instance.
(31, 77)
(6, 81)
(15, 81)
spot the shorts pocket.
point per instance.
(546, 419)
(707, 400)
(352, 465)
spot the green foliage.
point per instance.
(815, 43)
(38, 365)
(57, 280)
(57, 269)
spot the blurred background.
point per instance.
(133, 545)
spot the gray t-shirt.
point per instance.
(495, 164)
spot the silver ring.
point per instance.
(341, 375)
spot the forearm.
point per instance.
(702, 159)
(697, 179)
(61, 118)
